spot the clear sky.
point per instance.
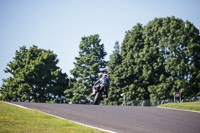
(58, 25)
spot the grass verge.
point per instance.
(195, 106)
(18, 120)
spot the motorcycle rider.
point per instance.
(102, 82)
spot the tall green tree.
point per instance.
(134, 84)
(157, 60)
(113, 65)
(35, 77)
(178, 45)
(88, 67)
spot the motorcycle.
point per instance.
(99, 95)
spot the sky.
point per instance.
(58, 25)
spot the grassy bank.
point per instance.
(17, 120)
(187, 105)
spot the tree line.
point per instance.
(152, 62)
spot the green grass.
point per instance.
(187, 105)
(17, 120)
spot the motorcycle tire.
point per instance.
(97, 98)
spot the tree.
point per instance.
(113, 65)
(157, 60)
(178, 47)
(134, 82)
(35, 77)
(88, 67)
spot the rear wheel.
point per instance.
(97, 98)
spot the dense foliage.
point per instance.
(35, 77)
(88, 67)
(113, 65)
(158, 59)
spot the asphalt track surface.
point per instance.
(125, 119)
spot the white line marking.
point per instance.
(179, 109)
(105, 130)
(18, 106)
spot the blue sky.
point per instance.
(58, 25)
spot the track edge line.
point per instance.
(179, 109)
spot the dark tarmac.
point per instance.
(124, 119)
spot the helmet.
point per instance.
(105, 75)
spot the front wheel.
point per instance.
(97, 98)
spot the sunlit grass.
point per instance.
(17, 120)
(187, 105)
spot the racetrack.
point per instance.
(125, 119)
